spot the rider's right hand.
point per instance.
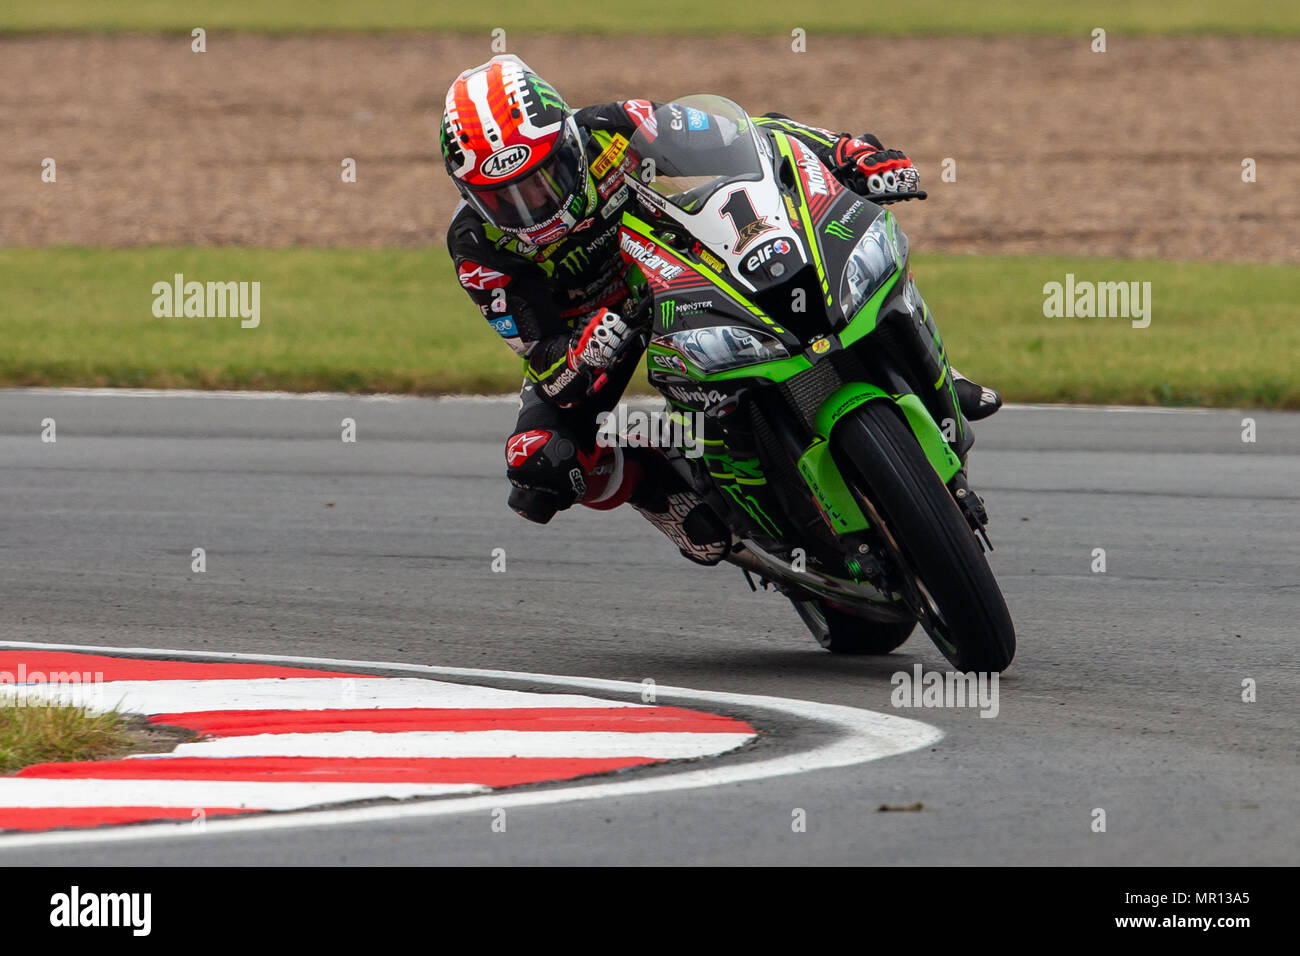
(601, 343)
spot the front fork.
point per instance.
(913, 329)
(932, 360)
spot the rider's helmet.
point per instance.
(515, 151)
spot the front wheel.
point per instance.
(843, 633)
(958, 598)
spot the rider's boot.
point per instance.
(975, 400)
(647, 481)
(686, 521)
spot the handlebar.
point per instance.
(884, 199)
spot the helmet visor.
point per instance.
(540, 195)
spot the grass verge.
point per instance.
(32, 733)
(394, 320)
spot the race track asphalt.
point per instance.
(1125, 695)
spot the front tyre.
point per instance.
(843, 633)
(964, 611)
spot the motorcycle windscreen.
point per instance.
(691, 147)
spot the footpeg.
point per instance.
(972, 506)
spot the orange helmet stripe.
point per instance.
(499, 101)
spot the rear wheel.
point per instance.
(961, 606)
(843, 633)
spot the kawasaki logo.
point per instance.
(504, 162)
(839, 231)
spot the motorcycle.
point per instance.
(779, 315)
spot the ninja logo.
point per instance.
(695, 396)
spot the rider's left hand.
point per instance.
(887, 171)
(880, 170)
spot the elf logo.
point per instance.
(779, 248)
(506, 161)
(669, 362)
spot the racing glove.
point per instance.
(601, 342)
(873, 169)
(605, 341)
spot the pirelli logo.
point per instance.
(612, 154)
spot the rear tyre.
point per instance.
(842, 633)
(967, 616)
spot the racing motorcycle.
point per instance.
(779, 314)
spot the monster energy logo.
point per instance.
(575, 260)
(839, 231)
(546, 95)
(667, 309)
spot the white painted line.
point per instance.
(293, 693)
(474, 743)
(50, 792)
(858, 736)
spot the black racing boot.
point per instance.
(682, 515)
(976, 401)
(690, 524)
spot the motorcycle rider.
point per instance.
(535, 244)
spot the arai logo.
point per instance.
(505, 161)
